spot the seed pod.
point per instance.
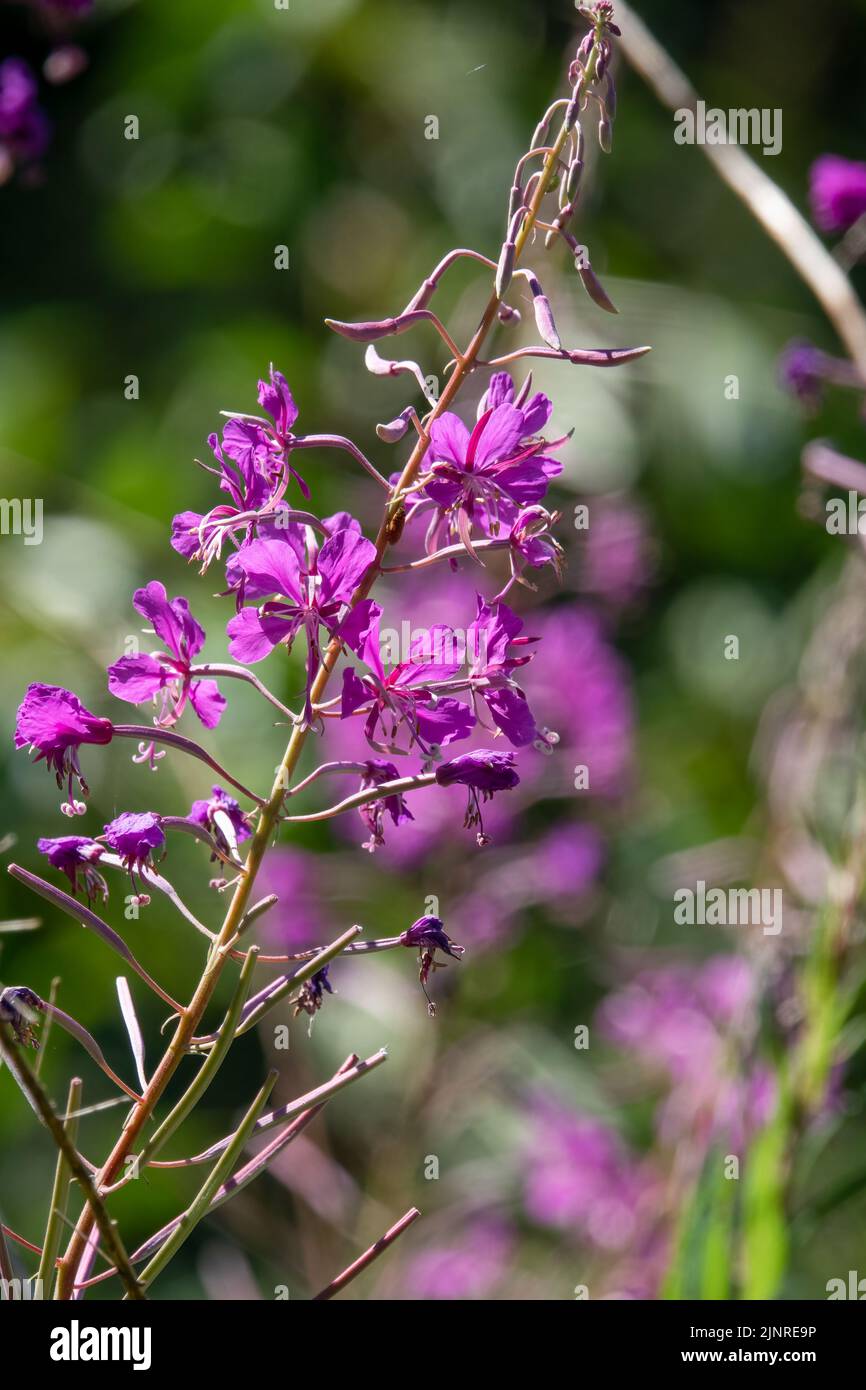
(591, 282)
(545, 323)
(394, 431)
(505, 268)
(610, 97)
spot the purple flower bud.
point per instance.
(54, 723)
(428, 934)
(75, 855)
(395, 430)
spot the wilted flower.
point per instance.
(837, 191)
(54, 723)
(19, 1007)
(428, 935)
(312, 993)
(376, 771)
(75, 856)
(165, 676)
(484, 772)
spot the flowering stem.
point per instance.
(365, 1260)
(269, 815)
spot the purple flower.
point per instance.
(53, 722)
(165, 676)
(254, 470)
(581, 1178)
(837, 191)
(75, 856)
(490, 638)
(405, 695)
(311, 594)
(24, 128)
(377, 771)
(471, 1266)
(484, 772)
(530, 542)
(222, 816)
(484, 477)
(428, 934)
(133, 837)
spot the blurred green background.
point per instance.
(306, 128)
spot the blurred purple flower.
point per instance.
(618, 559)
(581, 1178)
(24, 128)
(468, 1267)
(837, 192)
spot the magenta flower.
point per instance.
(311, 594)
(405, 695)
(223, 818)
(482, 772)
(133, 837)
(481, 479)
(165, 676)
(254, 471)
(54, 723)
(491, 637)
(75, 856)
(377, 771)
(837, 191)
